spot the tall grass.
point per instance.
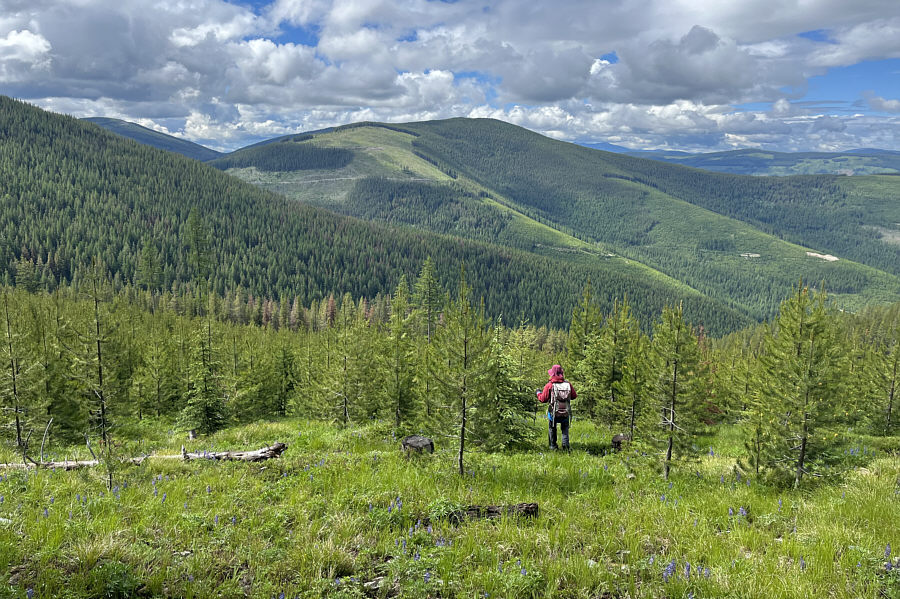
(344, 514)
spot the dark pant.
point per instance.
(564, 428)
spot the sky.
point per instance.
(694, 75)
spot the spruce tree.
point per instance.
(804, 366)
(398, 363)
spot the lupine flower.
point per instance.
(524, 572)
(155, 491)
(669, 571)
(779, 505)
(29, 592)
(429, 529)
(404, 544)
(46, 514)
(687, 570)
(802, 563)
(706, 572)
(217, 519)
(233, 520)
(887, 551)
(164, 498)
(427, 575)
(730, 512)
(663, 498)
(722, 479)
(52, 500)
(889, 566)
(416, 556)
(185, 505)
(743, 512)
(651, 560)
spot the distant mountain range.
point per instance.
(156, 139)
(739, 242)
(865, 161)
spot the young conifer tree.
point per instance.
(677, 401)
(462, 365)
(603, 364)
(803, 368)
(398, 363)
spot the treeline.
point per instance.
(801, 389)
(285, 156)
(430, 361)
(437, 207)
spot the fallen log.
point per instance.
(475, 512)
(257, 455)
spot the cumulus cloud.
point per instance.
(226, 73)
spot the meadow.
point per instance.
(343, 513)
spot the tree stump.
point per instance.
(617, 441)
(417, 443)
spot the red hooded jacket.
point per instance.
(544, 397)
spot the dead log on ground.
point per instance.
(238, 456)
(257, 455)
(475, 512)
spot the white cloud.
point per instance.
(23, 52)
(206, 68)
(880, 104)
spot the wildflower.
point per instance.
(233, 520)
(730, 512)
(164, 498)
(706, 572)
(711, 452)
(500, 568)
(404, 544)
(663, 498)
(687, 570)
(185, 505)
(887, 551)
(722, 479)
(52, 500)
(416, 557)
(779, 505)
(217, 519)
(524, 572)
(427, 575)
(155, 491)
(743, 512)
(208, 490)
(29, 592)
(802, 563)
(652, 559)
(429, 529)
(46, 514)
(888, 566)
(281, 595)
(669, 571)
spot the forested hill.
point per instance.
(155, 138)
(766, 163)
(72, 191)
(741, 240)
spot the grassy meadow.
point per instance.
(343, 514)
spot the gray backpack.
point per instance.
(559, 399)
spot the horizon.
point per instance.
(669, 75)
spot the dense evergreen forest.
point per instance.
(71, 193)
(288, 155)
(99, 362)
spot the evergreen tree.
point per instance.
(804, 367)
(677, 397)
(398, 363)
(462, 367)
(204, 410)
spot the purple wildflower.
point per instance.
(779, 504)
(416, 556)
(217, 519)
(730, 512)
(164, 498)
(404, 544)
(429, 529)
(46, 514)
(524, 572)
(706, 572)
(887, 551)
(233, 520)
(743, 512)
(802, 563)
(29, 592)
(687, 570)
(669, 571)
(427, 575)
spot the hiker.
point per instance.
(560, 393)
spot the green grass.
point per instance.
(325, 519)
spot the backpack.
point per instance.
(559, 400)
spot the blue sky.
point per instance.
(697, 75)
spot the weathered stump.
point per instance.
(475, 512)
(617, 441)
(417, 443)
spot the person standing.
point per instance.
(559, 393)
